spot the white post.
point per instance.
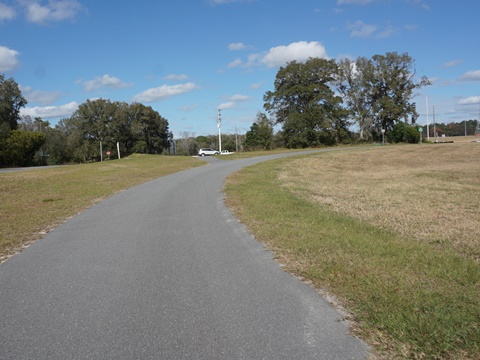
(219, 123)
(428, 131)
(118, 150)
(101, 151)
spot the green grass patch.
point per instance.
(36, 200)
(409, 299)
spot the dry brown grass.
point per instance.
(413, 288)
(429, 192)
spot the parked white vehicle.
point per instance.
(226, 152)
(207, 151)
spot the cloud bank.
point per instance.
(164, 92)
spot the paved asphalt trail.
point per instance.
(163, 271)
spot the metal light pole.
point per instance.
(219, 123)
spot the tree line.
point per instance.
(319, 101)
(96, 128)
(113, 125)
(466, 127)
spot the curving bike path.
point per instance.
(163, 271)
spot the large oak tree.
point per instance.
(136, 127)
(304, 102)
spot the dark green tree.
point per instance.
(229, 142)
(304, 102)
(56, 150)
(150, 128)
(403, 132)
(17, 147)
(260, 134)
(393, 85)
(20, 147)
(136, 127)
(11, 101)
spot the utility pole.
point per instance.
(477, 129)
(236, 139)
(219, 123)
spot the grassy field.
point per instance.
(37, 200)
(391, 233)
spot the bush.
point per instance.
(403, 132)
(19, 148)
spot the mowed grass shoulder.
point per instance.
(37, 200)
(391, 232)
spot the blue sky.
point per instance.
(188, 58)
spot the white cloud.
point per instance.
(361, 29)
(227, 105)
(8, 59)
(452, 63)
(164, 92)
(389, 31)
(53, 11)
(176, 77)
(470, 100)
(255, 86)
(50, 112)
(39, 96)
(6, 12)
(239, 97)
(104, 81)
(235, 63)
(233, 100)
(252, 59)
(280, 55)
(471, 76)
(236, 46)
(299, 51)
